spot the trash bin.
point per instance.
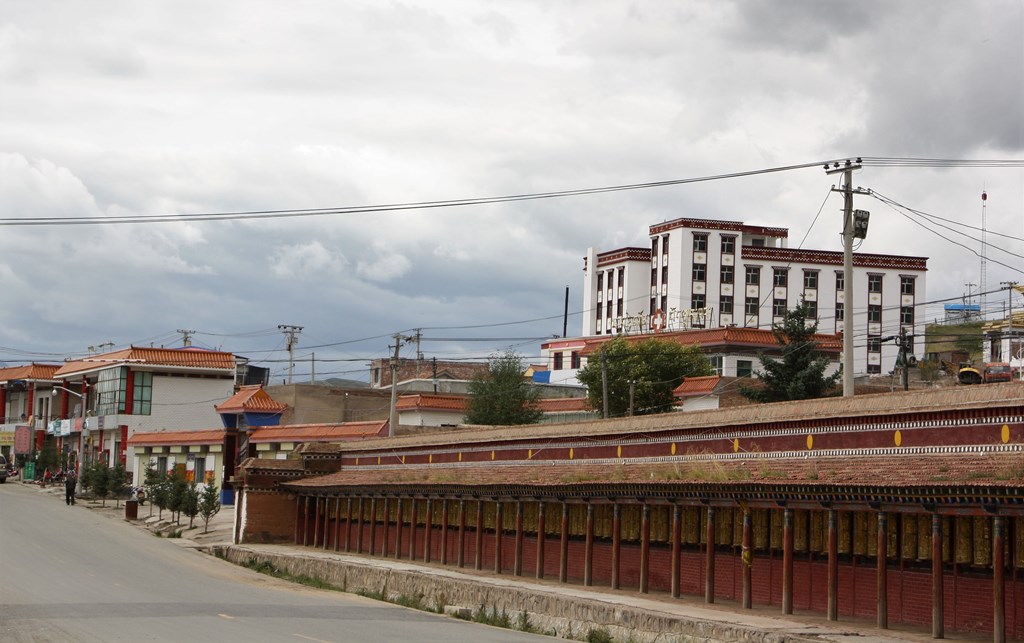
(131, 509)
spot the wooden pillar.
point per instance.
(444, 531)
(399, 525)
(645, 547)
(348, 525)
(998, 579)
(359, 528)
(478, 555)
(709, 563)
(428, 528)
(386, 535)
(498, 532)
(616, 542)
(787, 561)
(882, 573)
(413, 505)
(588, 549)
(541, 537)
(677, 536)
(833, 565)
(317, 532)
(461, 556)
(747, 559)
(517, 559)
(938, 617)
(327, 524)
(563, 548)
(373, 526)
(337, 523)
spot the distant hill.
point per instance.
(338, 382)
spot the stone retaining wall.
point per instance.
(548, 612)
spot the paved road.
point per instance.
(69, 574)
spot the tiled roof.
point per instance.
(173, 438)
(692, 386)
(564, 404)
(881, 405)
(319, 432)
(168, 358)
(758, 338)
(273, 464)
(431, 402)
(29, 372)
(251, 399)
(992, 469)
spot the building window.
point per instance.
(664, 302)
(874, 369)
(698, 272)
(654, 305)
(664, 245)
(778, 307)
(727, 274)
(728, 245)
(654, 277)
(757, 242)
(780, 276)
(111, 391)
(907, 315)
(664, 274)
(839, 311)
(907, 286)
(558, 361)
(840, 282)
(700, 243)
(697, 302)
(874, 313)
(600, 281)
(811, 307)
(142, 393)
(622, 276)
(875, 283)
(654, 247)
(716, 364)
(744, 368)
(725, 305)
(874, 344)
(618, 307)
(810, 279)
(753, 275)
(574, 359)
(161, 464)
(199, 470)
(608, 309)
(750, 306)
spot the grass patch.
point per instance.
(599, 635)
(266, 567)
(492, 617)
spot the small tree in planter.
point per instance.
(209, 505)
(118, 483)
(179, 488)
(190, 503)
(100, 479)
(150, 480)
(160, 493)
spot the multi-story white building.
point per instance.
(702, 273)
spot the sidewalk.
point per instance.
(763, 623)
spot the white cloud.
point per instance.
(385, 265)
(308, 262)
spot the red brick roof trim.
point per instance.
(714, 224)
(318, 432)
(834, 258)
(623, 254)
(176, 438)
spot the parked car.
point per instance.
(3, 469)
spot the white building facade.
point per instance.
(702, 273)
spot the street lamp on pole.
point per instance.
(81, 445)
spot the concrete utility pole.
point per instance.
(290, 332)
(186, 337)
(847, 169)
(393, 416)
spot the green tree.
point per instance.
(177, 495)
(209, 504)
(99, 479)
(190, 503)
(653, 368)
(800, 374)
(151, 478)
(501, 395)
(118, 483)
(160, 492)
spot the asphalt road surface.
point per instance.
(69, 574)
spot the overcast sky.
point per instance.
(184, 107)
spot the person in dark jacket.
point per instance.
(69, 487)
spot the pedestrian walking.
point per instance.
(69, 487)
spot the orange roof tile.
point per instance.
(431, 402)
(29, 372)
(319, 432)
(697, 386)
(732, 335)
(564, 404)
(251, 399)
(172, 438)
(180, 358)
